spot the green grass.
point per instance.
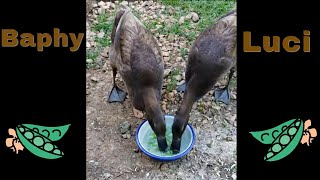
(173, 82)
(105, 23)
(150, 24)
(233, 83)
(184, 52)
(208, 12)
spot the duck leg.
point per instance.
(116, 94)
(223, 95)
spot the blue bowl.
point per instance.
(187, 140)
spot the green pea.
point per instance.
(48, 147)
(285, 139)
(21, 129)
(38, 141)
(152, 143)
(292, 131)
(56, 151)
(276, 148)
(269, 154)
(28, 135)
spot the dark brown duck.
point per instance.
(212, 55)
(136, 56)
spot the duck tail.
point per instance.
(120, 13)
(227, 24)
(231, 12)
(226, 27)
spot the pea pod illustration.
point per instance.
(285, 137)
(39, 140)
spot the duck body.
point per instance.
(136, 56)
(211, 56)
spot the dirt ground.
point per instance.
(113, 155)
(109, 155)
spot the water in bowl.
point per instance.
(152, 145)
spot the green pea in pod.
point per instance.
(39, 139)
(283, 139)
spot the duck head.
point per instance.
(181, 120)
(178, 127)
(155, 117)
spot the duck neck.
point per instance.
(152, 106)
(186, 106)
(153, 111)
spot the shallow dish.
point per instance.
(144, 132)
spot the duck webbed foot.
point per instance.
(182, 87)
(117, 95)
(223, 95)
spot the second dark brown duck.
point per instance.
(212, 55)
